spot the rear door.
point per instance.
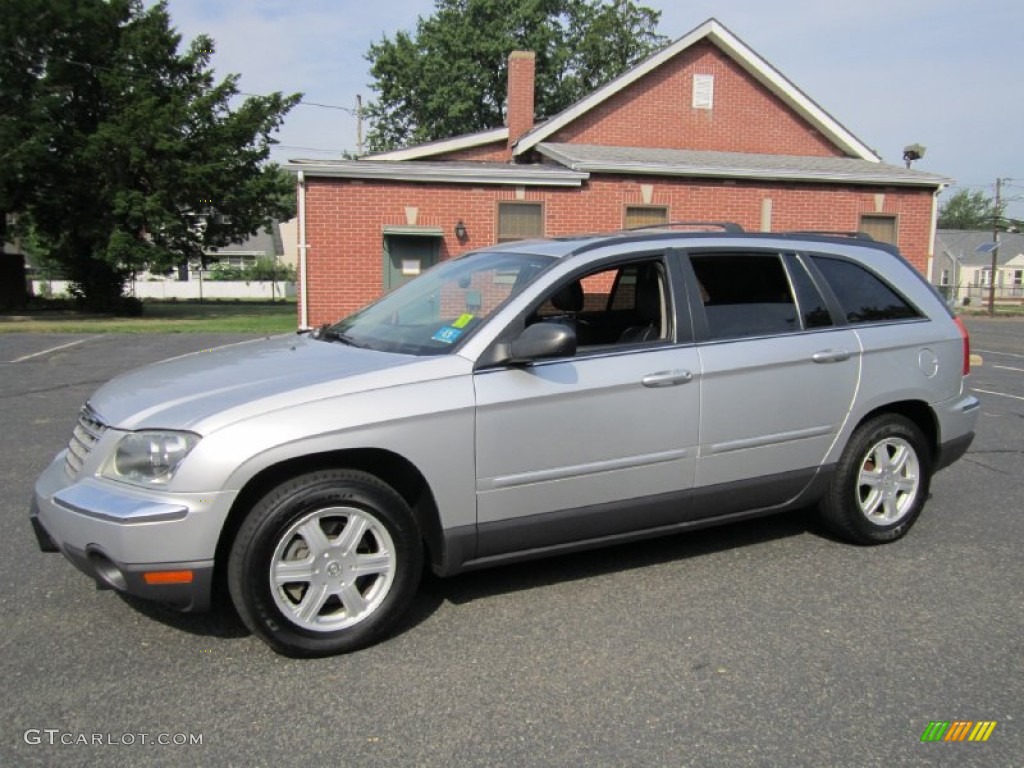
(778, 377)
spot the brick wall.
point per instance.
(519, 110)
(495, 152)
(345, 219)
(656, 111)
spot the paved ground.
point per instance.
(766, 644)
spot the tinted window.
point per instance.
(864, 297)
(745, 294)
(813, 310)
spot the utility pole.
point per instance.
(359, 123)
(996, 211)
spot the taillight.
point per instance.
(967, 344)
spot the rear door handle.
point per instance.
(831, 356)
(666, 378)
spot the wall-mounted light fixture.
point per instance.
(460, 231)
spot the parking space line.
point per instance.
(1000, 394)
(1008, 368)
(53, 349)
(994, 352)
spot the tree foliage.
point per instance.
(449, 77)
(970, 210)
(264, 269)
(120, 148)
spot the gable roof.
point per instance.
(711, 30)
(740, 165)
(263, 243)
(963, 244)
(715, 32)
(443, 146)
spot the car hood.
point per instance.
(202, 390)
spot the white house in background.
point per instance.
(187, 284)
(265, 244)
(963, 271)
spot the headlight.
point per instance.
(150, 457)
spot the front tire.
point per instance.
(325, 563)
(881, 482)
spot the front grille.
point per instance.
(84, 437)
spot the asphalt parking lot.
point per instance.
(765, 644)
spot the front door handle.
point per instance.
(831, 356)
(667, 378)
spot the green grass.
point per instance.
(1002, 310)
(165, 317)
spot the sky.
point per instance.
(947, 74)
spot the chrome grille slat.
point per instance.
(84, 437)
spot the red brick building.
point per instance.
(703, 130)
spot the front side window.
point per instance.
(622, 304)
(863, 296)
(745, 294)
(434, 312)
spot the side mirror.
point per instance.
(543, 340)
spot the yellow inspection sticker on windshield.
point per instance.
(462, 321)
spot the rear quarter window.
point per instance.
(863, 295)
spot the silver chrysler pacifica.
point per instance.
(524, 400)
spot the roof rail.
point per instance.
(725, 226)
(830, 233)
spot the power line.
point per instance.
(312, 149)
(304, 103)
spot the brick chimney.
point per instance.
(522, 67)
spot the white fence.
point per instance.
(190, 289)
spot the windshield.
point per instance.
(442, 307)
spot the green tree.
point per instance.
(264, 269)
(970, 210)
(119, 145)
(449, 77)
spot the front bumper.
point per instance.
(152, 545)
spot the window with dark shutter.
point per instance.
(519, 221)
(881, 227)
(645, 215)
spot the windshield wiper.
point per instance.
(328, 334)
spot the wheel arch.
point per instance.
(389, 467)
(919, 413)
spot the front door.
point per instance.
(593, 445)
(406, 256)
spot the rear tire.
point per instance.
(325, 563)
(881, 482)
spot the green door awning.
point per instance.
(413, 229)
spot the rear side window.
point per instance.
(745, 294)
(813, 309)
(863, 296)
